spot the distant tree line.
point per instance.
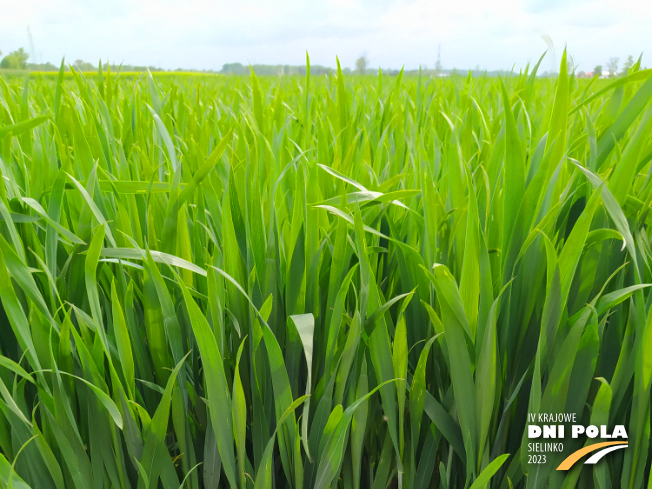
(240, 69)
(18, 60)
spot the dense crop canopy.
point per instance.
(360, 282)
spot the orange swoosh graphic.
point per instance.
(575, 456)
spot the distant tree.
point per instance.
(629, 62)
(612, 66)
(234, 69)
(22, 56)
(597, 70)
(16, 60)
(361, 64)
(10, 62)
(84, 65)
(581, 74)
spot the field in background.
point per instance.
(321, 282)
(53, 75)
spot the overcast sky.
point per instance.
(205, 34)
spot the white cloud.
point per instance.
(208, 33)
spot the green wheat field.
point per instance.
(321, 282)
